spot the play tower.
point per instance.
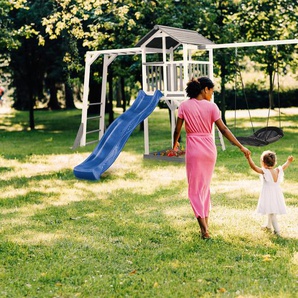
(170, 57)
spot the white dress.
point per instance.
(271, 198)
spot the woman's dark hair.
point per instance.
(195, 86)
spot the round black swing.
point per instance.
(262, 137)
(265, 135)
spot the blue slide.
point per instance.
(116, 136)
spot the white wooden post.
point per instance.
(108, 59)
(103, 95)
(144, 83)
(88, 63)
(164, 64)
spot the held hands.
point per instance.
(245, 151)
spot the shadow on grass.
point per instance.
(140, 246)
(32, 197)
(129, 241)
(22, 182)
(6, 169)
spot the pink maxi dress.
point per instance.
(201, 153)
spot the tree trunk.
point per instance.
(31, 110)
(122, 80)
(53, 103)
(69, 98)
(110, 98)
(94, 95)
(118, 95)
(223, 100)
(223, 93)
(271, 86)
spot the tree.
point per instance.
(70, 27)
(218, 23)
(8, 36)
(7, 31)
(104, 25)
(269, 20)
(37, 65)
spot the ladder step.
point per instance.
(92, 142)
(93, 117)
(92, 131)
(95, 104)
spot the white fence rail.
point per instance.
(174, 74)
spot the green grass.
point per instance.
(133, 233)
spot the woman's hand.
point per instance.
(245, 151)
(176, 146)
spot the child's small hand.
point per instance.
(290, 158)
(245, 151)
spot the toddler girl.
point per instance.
(271, 199)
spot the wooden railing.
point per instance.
(174, 74)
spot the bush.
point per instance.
(257, 99)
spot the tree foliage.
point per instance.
(218, 22)
(46, 40)
(8, 32)
(269, 20)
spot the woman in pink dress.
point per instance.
(199, 114)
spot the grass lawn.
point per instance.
(133, 233)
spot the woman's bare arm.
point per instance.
(177, 132)
(229, 135)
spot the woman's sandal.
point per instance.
(206, 236)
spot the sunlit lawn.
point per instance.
(132, 233)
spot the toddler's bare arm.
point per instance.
(288, 162)
(253, 165)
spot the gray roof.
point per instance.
(174, 37)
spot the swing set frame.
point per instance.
(268, 134)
